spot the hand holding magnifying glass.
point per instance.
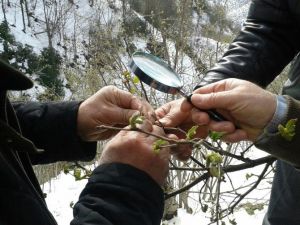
(158, 75)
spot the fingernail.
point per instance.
(163, 121)
(152, 117)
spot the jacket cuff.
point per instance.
(122, 194)
(278, 146)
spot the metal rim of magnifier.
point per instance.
(147, 78)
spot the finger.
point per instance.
(223, 126)
(158, 130)
(146, 126)
(238, 135)
(182, 152)
(162, 111)
(126, 100)
(217, 100)
(213, 87)
(186, 106)
(124, 104)
(122, 116)
(199, 117)
(172, 136)
(147, 110)
(170, 115)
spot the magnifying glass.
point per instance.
(156, 73)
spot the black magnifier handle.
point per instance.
(213, 114)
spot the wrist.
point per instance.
(279, 117)
(81, 129)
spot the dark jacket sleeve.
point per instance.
(268, 41)
(119, 194)
(52, 127)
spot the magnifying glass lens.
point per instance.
(158, 71)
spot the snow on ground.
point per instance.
(242, 218)
(14, 18)
(64, 190)
(61, 192)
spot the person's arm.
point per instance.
(268, 41)
(125, 188)
(119, 194)
(256, 112)
(53, 127)
(67, 131)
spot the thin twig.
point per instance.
(101, 127)
(228, 169)
(241, 197)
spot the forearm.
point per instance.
(119, 194)
(52, 127)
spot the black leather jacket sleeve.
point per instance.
(268, 41)
(52, 127)
(119, 194)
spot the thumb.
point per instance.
(126, 100)
(122, 116)
(167, 119)
(218, 100)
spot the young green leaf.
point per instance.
(126, 74)
(214, 135)
(77, 174)
(288, 131)
(250, 207)
(158, 144)
(132, 90)
(136, 80)
(215, 171)
(66, 169)
(136, 119)
(248, 176)
(204, 208)
(233, 222)
(213, 161)
(192, 132)
(214, 158)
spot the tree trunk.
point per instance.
(23, 16)
(3, 10)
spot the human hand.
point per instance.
(244, 104)
(109, 106)
(135, 148)
(178, 113)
